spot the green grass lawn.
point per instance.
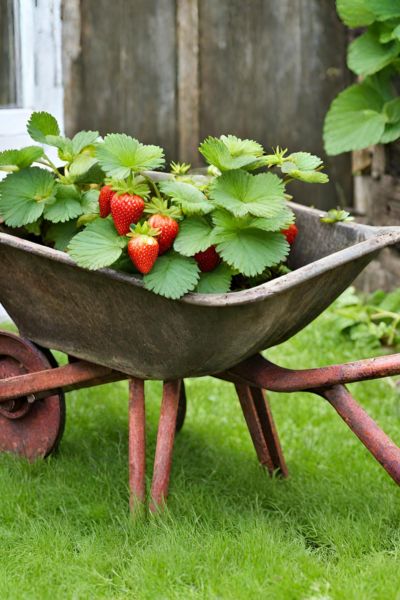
(330, 531)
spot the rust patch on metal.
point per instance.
(28, 427)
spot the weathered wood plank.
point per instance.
(188, 78)
(124, 70)
(269, 70)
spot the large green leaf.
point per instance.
(355, 13)
(121, 155)
(172, 276)
(354, 120)
(250, 251)
(23, 195)
(42, 124)
(384, 9)
(66, 205)
(195, 235)
(191, 200)
(97, 246)
(366, 55)
(217, 281)
(20, 158)
(229, 152)
(241, 193)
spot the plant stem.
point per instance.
(48, 163)
(153, 186)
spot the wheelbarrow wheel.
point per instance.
(29, 426)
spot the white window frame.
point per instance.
(38, 33)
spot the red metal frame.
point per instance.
(251, 378)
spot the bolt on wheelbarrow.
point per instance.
(112, 327)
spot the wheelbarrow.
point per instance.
(112, 329)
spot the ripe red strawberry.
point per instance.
(290, 233)
(168, 229)
(143, 247)
(208, 259)
(126, 209)
(106, 193)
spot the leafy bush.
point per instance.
(372, 319)
(367, 112)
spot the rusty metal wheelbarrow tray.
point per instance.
(108, 318)
(113, 329)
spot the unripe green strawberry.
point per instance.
(106, 193)
(143, 247)
(208, 259)
(126, 209)
(168, 230)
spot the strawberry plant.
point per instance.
(368, 112)
(372, 319)
(228, 228)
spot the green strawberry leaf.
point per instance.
(23, 195)
(191, 200)
(229, 153)
(304, 161)
(243, 194)
(217, 281)
(82, 140)
(366, 55)
(355, 13)
(384, 9)
(224, 220)
(302, 166)
(172, 276)
(392, 110)
(42, 124)
(61, 234)
(21, 159)
(97, 246)
(63, 144)
(95, 174)
(66, 205)
(195, 235)
(82, 164)
(121, 155)
(90, 202)
(391, 133)
(354, 120)
(238, 147)
(247, 249)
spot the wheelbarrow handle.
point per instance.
(259, 372)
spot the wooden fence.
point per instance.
(174, 71)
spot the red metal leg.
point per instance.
(137, 443)
(165, 443)
(374, 439)
(269, 430)
(181, 408)
(262, 430)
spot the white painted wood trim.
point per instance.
(38, 25)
